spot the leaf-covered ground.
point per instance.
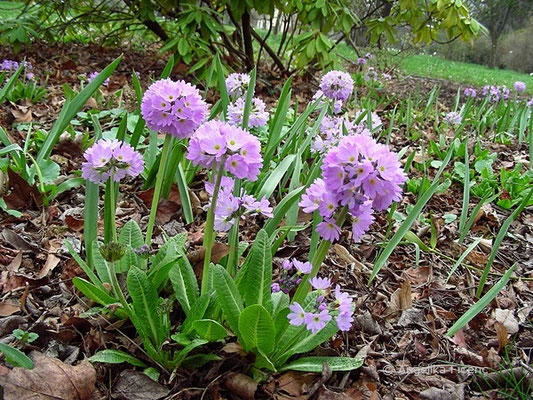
(400, 321)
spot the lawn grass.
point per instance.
(461, 72)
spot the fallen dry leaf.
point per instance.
(134, 385)
(51, 379)
(196, 258)
(507, 318)
(22, 195)
(8, 308)
(50, 263)
(76, 224)
(22, 115)
(402, 298)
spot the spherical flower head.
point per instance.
(337, 85)
(297, 314)
(108, 158)
(520, 86)
(258, 116)
(215, 141)
(453, 118)
(275, 288)
(361, 61)
(8, 65)
(93, 75)
(173, 107)
(315, 322)
(237, 84)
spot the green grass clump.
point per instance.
(461, 72)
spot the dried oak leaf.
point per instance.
(196, 258)
(134, 385)
(22, 195)
(241, 385)
(51, 379)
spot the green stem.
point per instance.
(209, 234)
(231, 265)
(112, 207)
(320, 254)
(157, 188)
(116, 287)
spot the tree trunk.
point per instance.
(247, 39)
(492, 53)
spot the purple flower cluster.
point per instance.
(237, 84)
(328, 305)
(291, 276)
(520, 86)
(495, 93)
(216, 141)
(530, 103)
(93, 75)
(11, 65)
(453, 118)
(470, 92)
(337, 85)
(229, 206)
(359, 174)
(175, 108)
(361, 61)
(258, 115)
(108, 158)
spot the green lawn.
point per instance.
(472, 74)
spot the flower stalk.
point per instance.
(157, 189)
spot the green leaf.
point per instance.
(269, 185)
(100, 264)
(15, 357)
(196, 312)
(131, 235)
(282, 208)
(146, 304)
(481, 303)
(210, 330)
(315, 364)
(88, 271)
(256, 329)
(186, 350)
(93, 292)
(228, 297)
(184, 283)
(257, 276)
(111, 356)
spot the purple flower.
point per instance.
(9, 65)
(530, 103)
(453, 118)
(520, 86)
(361, 61)
(303, 268)
(470, 92)
(108, 158)
(237, 84)
(320, 283)
(329, 230)
(93, 75)
(175, 108)
(344, 321)
(286, 265)
(343, 302)
(258, 115)
(275, 287)
(369, 55)
(317, 321)
(297, 314)
(337, 85)
(216, 141)
(361, 221)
